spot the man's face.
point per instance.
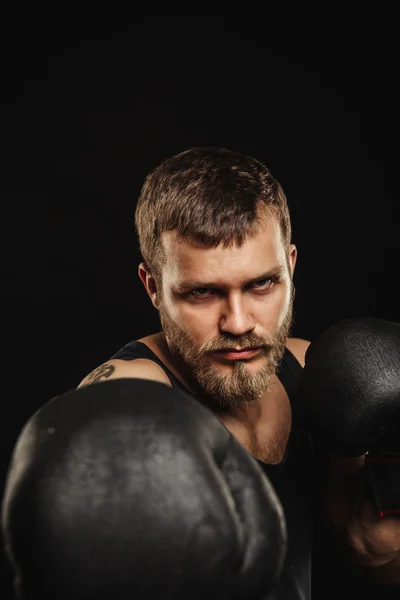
(221, 299)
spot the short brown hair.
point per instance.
(209, 196)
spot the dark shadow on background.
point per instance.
(91, 105)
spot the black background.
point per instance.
(91, 103)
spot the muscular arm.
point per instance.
(101, 373)
(298, 347)
(141, 368)
(369, 542)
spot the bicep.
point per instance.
(119, 369)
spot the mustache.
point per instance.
(243, 342)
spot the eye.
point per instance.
(201, 292)
(264, 284)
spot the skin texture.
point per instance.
(226, 298)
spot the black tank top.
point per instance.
(293, 478)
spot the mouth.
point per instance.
(238, 354)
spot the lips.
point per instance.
(240, 354)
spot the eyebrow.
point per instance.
(190, 284)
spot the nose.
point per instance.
(236, 318)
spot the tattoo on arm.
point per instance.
(100, 374)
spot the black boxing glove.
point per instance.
(351, 393)
(131, 489)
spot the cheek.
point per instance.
(274, 311)
(284, 300)
(199, 322)
(284, 304)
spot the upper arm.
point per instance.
(141, 368)
(298, 347)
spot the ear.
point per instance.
(149, 283)
(292, 258)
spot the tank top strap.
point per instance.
(289, 370)
(135, 350)
(289, 373)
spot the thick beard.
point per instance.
(241, 386)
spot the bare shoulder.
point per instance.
(141, 368)
(298, 347)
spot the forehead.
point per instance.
(187, 260)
